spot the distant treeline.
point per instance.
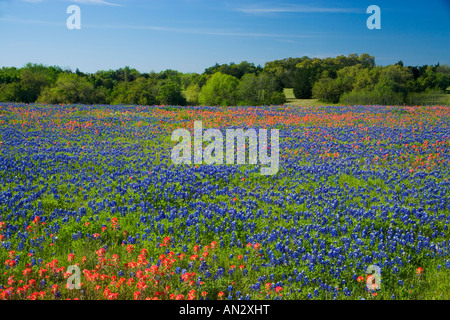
(351, 80)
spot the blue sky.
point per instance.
(191, 35)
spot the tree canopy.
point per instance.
(353, 78)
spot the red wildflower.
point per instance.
(26, 272)
(194, 257)
(130, 248)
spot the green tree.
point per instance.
(434, 78)
(260, 90)
(70, 88)
(220, 89)
(192, 92)
(303, 82)
(366, 60)
(268, 86)
(366, 79)
(169, 93)
(284, 70)
(235, 70)
(248, 90)
(277, 98)
(142, 91)
(394, 78)
(9, 75)
(328, 90)
(10, 92)
(31, 84)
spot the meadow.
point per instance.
(94, 186)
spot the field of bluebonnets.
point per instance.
(94, 186)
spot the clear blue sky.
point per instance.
(191, 35)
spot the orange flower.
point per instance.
(26, 272)
(419, 271)
(194, 257)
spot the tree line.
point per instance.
(348, 79)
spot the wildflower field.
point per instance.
(95, 187)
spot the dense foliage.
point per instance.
(350, 80)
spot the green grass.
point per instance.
(446, 99)
(291, 100)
